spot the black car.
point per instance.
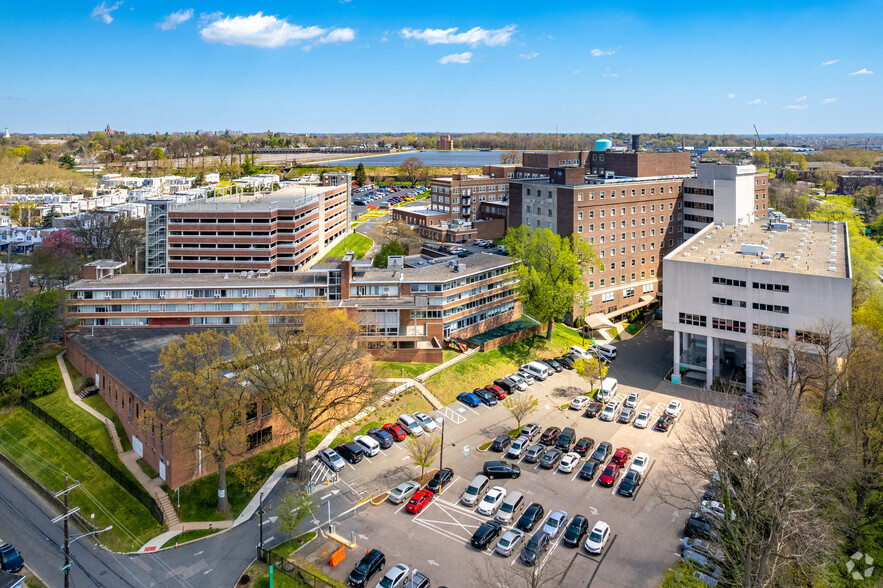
(369, 565)
(576, 530)
(501, 443)
(485, 396)
(583, 446)
(565, 439)
(593, 409)
(550, 435)
(565, 361)
(350, 451)
(532, 515)
(701, 526)
(506, 384)
(10, 559)
(441, 479)
(534, 548)
(381, 436)
(602, 452)
(530, 430)
(500, 469)
(664, 422)
(630, 483)
(553, 364)
(485, 534)
(551, 459)
(589, 469)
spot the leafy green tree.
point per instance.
(761, 158)
(295, 507)
(423, 451)
(360, 176)
(67, 161)
(592, 370)
(520, 406)
(551, 271)
(26, 323)
(790, 177)
(392, 248)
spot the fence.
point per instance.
(119, 477)
(295, 570)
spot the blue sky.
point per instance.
(360, 65)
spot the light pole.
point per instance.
(261, 523)
(441, 455)
(108, 528)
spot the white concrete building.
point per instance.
(722, 193)
(731, 284)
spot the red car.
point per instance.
(418, 501)
(609, 475)
(622, 456)
(498, 392)
(396, 431)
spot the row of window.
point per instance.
(770, 307)
(731, 325)
(705, 220)
(756, 285)
(622, 279)
(613, 193)
(698, 205)
(579, 229)
(727, 282)
(728, 302)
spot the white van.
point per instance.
(371, 446)
(603, 351)
(580, 352)
(538, 370)
(609, 386)
(410, 425)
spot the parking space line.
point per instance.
(451, 483)
(470, 409)
(575, 475)
(368, 460)
(442, 532)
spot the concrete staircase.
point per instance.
(168, 510)
(114, 438)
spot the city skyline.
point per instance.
(356, 66)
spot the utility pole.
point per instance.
(68, 512)
(441, 455)
(261, 523)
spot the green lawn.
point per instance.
(292, 544)
(408, 402)
(45, 455)
(188, 536)
(482, 368)
(260, 573)
(360, 245)
(394, 369)
(98, 403)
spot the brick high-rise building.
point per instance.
(444, 143)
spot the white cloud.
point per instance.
(103, 11)
(731, 95)
(755, 101)
(531, 55)
(862, 72)
(270, 32)
(829, 100)
(832, 62)
(473, 37)
(610, 75)
(801, 99)
(796, 107)
(601, 52)
(464, 57)
(174, 19)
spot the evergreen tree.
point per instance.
(361, 176)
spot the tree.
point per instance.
(196, 394)
(761, 158)
(591, 370)
(423, 451)
(67, 161)
(392, 248)
(360, 176)
(57, 261)
(826, 178)
(26, 322)
(520, 406)
(411, 169)
(399, 231)
(295, 507)
(551, 271)
(510, 157)
(790, 176)
(800, 160)
(307, 366)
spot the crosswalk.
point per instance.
(321, 475)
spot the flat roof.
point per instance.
(593, 181)
(422, 211)
(287, 197)
(806, 247)
(188, 281)
(436, 272)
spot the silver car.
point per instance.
(555, 523)
(403, 492)
(518, 447)
(632, 400)
(427, 423)
(332, 459)
(509, 542)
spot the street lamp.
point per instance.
(441, 455)
(108, 528)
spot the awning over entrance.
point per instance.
(644, 301)
(598, 321)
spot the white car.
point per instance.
(598, 538)
(394, 578)
(579, 403)
(568, 462)
(643, 419)
(518, 447)
(632, 400)
(425, 422)
(609, 412)
(509, 541)
(715, 508)
(526, 377)
(520, 382)
(673, 408)
(369, 444)
(556, 521)
(492, 501)
(640, 462)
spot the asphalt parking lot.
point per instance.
(645, 532)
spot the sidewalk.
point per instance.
(157, 542)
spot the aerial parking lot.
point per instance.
(645, 533)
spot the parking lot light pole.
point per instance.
(441, 455)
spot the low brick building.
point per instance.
(15, 280)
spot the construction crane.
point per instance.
(757, 140)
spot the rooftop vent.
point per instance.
(796, 258)
(686, 254)
(794, 265)
(717, 257)
(832, 269)
(767, 261)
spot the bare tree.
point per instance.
(423, 451)
(412, 168)
(495, 572)
(396, 230)
(510, 157)
(520, 406)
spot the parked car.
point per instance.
(550, 435)
(485, 396)
(576, 530)
(535, 548)
(518, 448)
(626, 416)
(555, 523)
(701, 526)
(469, 399)
(419, 501)
(550, 459)
(630, 483)
(527, 377)
(579, 403)
(352, 452)
(425, 421)
(418, 580)
(492, 501)
(394, 578)
(566, 439)
(506, 384)
(370, 564)
(583, 446)
(622, 456)
(530, 430)
(410, 426)
(610, 411)
(532, 515)
(602, 452)
(368, 444)
(673, 408)
(330, 458)
(609, 475)
(643, 419)
(589, 469)
(565, 361)
(632, 400)
(442, 478)
(501, 443)
(485, 534)
(10, 558)
(664, 422)
(640, 462)
(500, 469)
(381, 436)
(593, 409)
(568, 462)
(520, 383)
(496, 391)
(509, 541)
(403, 492)
(395, 431)
(475, 490)
(598, 538)
(717, 509)
(535, 453)
(553, 364)
(706, 548)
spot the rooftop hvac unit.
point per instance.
(832, 261)
(794, 265)
(461, 267)
(796, 258)
(832, 269)
(693, 248)
(717, 257)
(754, 262)
(752, 249)
(767, 261)
(686, 254)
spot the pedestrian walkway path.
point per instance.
(160, 540)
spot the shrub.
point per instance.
(42, 381)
